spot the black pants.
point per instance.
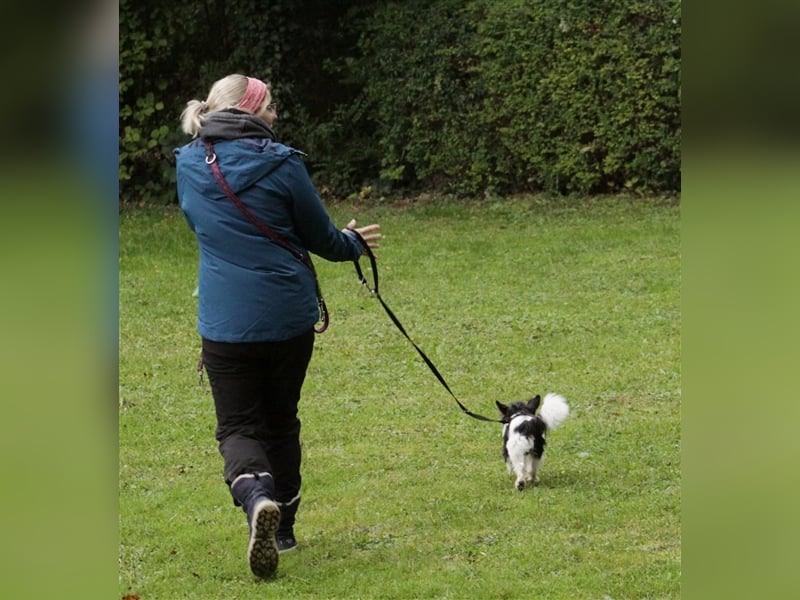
(256, 389)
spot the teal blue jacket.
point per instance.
(250, 288)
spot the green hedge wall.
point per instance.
(485, 96)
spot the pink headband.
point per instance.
(254, 95)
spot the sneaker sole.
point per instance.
(262, 552)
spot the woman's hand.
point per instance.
(370, 233)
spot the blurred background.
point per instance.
(58, 299)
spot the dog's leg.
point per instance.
(535, 464)
(519, 470)
(523, 472)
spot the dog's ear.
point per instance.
(503, 408)
(533, 403)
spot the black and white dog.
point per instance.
(524, 434)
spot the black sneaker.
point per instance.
(286, 543)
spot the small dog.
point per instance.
(524, 434)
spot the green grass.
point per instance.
(404, 496)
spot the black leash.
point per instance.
(374, 291)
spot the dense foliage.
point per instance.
(466, 97)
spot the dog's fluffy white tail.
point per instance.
(554, 410)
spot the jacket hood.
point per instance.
(232, 124)
(244, 146)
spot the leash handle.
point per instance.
(375, 292)
(361, 279)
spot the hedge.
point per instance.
(479, 97)
(513, 96)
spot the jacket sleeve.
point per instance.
(311, 220)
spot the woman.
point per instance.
(258, 295)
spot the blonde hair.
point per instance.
(225, 93)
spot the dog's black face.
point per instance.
(519, 408)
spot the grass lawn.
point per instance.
(404, 496)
